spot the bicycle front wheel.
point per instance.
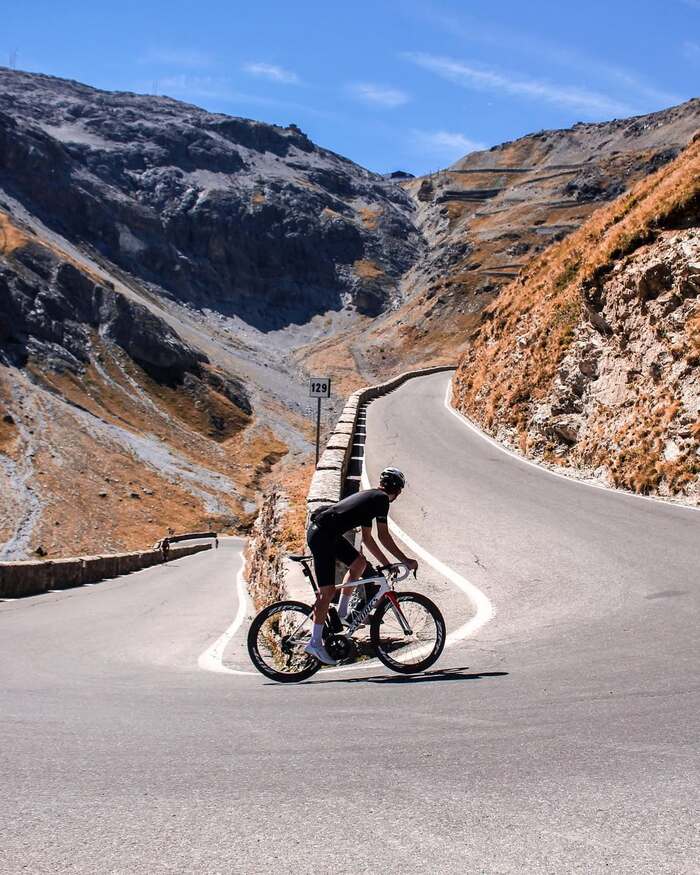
(412, 645)
(276, 641)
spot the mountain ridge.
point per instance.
(170, 277)
(482, 224)
(590, 360)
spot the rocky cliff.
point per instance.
(157, 264)
(490, 213)
(169, 277)
(591, 359)
(226, 213)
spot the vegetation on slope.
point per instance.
(561, 301)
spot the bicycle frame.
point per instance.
(386, 590)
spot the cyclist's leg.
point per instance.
(322, 549)
(324, 565)
(356, 563)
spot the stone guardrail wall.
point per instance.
(19, 579)
(329, 477)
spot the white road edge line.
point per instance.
(485, 610)
(569, 479)
(213, 657)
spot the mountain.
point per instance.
(249, 219)
(590, 360)
(489, 214)
(158, 266)
(170, 277)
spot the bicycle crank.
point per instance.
(340, 647)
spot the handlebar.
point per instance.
(394, 569)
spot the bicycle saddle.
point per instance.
(300, 558)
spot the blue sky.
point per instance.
(392, 84)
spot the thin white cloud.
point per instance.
(272, 72)
(467, 75)
(189, 59)
(378, 95)
(635, 88)
(691, 51)
(445, 144)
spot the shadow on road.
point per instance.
(442, 674)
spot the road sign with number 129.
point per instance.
(320, 387)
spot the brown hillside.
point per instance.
(591, 358)
(489, 214)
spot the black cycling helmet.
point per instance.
(392, 480)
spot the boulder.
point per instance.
(655, 279)
(566, 428)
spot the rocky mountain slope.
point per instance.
(241, 217)
(157, 265)
(591, 358)
(169, 278)
(489, 214)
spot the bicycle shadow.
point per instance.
(437, 675)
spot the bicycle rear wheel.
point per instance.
(276, 641)
(414, 651)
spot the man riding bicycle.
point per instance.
(327, 544)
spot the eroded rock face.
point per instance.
(48, 307)
(632, 393)
(242, 217)
(492, 211)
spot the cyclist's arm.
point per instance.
(387, 541)
(372, 545)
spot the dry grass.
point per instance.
(370, 217)
(73, 466)
(257, 198)
(634, 456)
(368, 270)
(208, 411)
(527, 331)
(295, 483)
(328, 213)
(333, 358)
(457, 210)
(8, 435)
(692, 330)
(11, 238)
(548, 299)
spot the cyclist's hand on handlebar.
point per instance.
(412, 565)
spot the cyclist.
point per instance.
(326, 542)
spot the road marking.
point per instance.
(568, 477)
(485, 610)
(213, 657)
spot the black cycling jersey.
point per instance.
(355, 510)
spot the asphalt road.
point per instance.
(563, 737)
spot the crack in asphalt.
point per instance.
(478, 562)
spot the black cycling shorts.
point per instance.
(326, 548)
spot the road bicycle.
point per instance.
(405, 630)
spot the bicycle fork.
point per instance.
(398, 613)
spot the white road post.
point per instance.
(319, 387)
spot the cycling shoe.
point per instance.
(318, 651)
